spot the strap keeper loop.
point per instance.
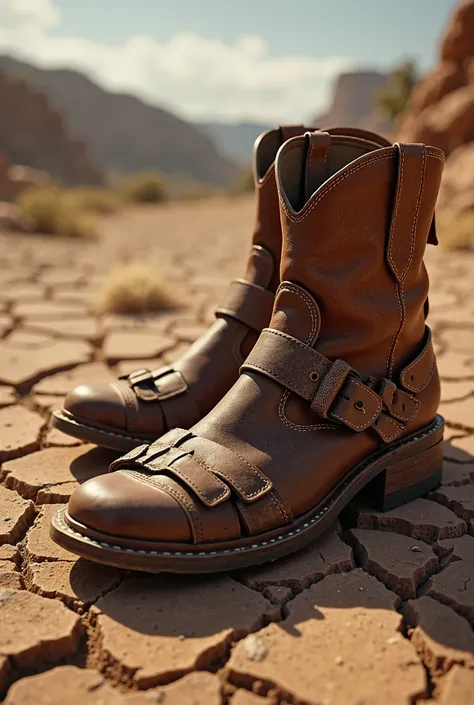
(330, 387)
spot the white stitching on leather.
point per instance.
(372, 418)
(401, 307)
(280, 506)
(399, 429)
(182, 499)
(417, 215)
(265, 481)
(313, 311)
(184, 477)
(411, 366)
(324, 190)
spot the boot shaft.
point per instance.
(262, 269)
(355, 222)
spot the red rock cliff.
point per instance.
(33, 134)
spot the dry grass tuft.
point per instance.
(146, 187)
(136, 289)
(48, 211)
(456, 233)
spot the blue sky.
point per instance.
(375, 32)
(265, 60)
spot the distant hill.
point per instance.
(33, 134)
(123, 132)
(353, 103)
(235, 140)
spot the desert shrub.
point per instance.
(244, 182)
(456, 233)
(393, 99)
(94, 199)
(49, 211)
(146, 187)
(136, 289)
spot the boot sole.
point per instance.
(387, 479)
(105, 437)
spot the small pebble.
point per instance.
(255, 649)
(339, 660)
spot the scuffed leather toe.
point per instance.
(119, 505)
(100, 404)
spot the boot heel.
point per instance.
(405, 480)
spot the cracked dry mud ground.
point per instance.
(379, 612)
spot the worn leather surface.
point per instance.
(352, 305)
(149, 403)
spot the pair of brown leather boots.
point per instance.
(336, 396)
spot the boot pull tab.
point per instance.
(289, 131)
(316, 161)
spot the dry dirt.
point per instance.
(379, 612)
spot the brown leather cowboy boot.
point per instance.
(140, 407)
(339, 394)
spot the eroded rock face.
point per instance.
(32, 132)
(441, 110)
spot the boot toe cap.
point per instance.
(120, 505)
(99, 404)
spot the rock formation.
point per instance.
(33, 133)
(441, 110)
(353, 103)
(124, 133)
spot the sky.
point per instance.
(224, 60)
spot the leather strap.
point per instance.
(209, 471)
(166, 386)
(162, 384)
(247, 481)
(418, 373)
(169, 460)
(288, 361)
(336, 391)
(248, 303)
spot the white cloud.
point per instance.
(195, 76)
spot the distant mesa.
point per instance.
(353, 103)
